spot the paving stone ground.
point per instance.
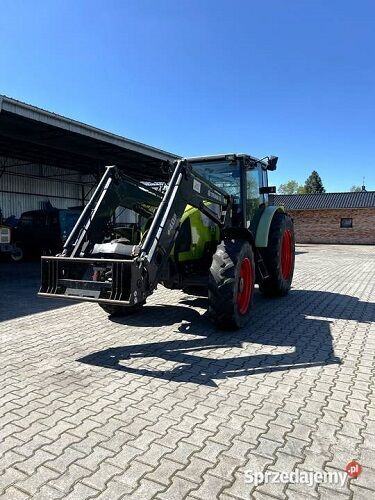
(162, 405)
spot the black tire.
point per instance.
(19, 256)
(121, 310)
(224, 294)
(279, 268)
(198, 291)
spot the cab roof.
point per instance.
(226, 156)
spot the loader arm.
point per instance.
(114, 189)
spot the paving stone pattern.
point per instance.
(162, 405)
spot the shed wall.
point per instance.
(26, 187)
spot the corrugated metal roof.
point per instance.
(32, 134)
(362, 199)
(38, 114)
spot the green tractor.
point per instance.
(210, 231)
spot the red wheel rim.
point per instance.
(286, 254)
(244, 286)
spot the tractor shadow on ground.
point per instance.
(298, 324)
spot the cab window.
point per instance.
(252, 187)
(224, 174)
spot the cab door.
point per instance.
(253, 198)
(263, 175)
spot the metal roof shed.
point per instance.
(37, 136)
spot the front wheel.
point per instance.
(121, 310)
(231, 284)
(279, 256)
(199, 291)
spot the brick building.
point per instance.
(331, 217)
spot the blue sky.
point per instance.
(293, 78)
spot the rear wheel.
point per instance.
(231, 284)
(279, 256)
(121, 310)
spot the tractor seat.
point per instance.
(115, 249)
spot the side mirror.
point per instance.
(272, 162)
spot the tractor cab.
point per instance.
(242, 176)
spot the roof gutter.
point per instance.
(289, 209)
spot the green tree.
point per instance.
(355, 189)
(290, 187)
(314, 183)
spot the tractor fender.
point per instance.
(264, 224)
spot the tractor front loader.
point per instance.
(211, 229)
